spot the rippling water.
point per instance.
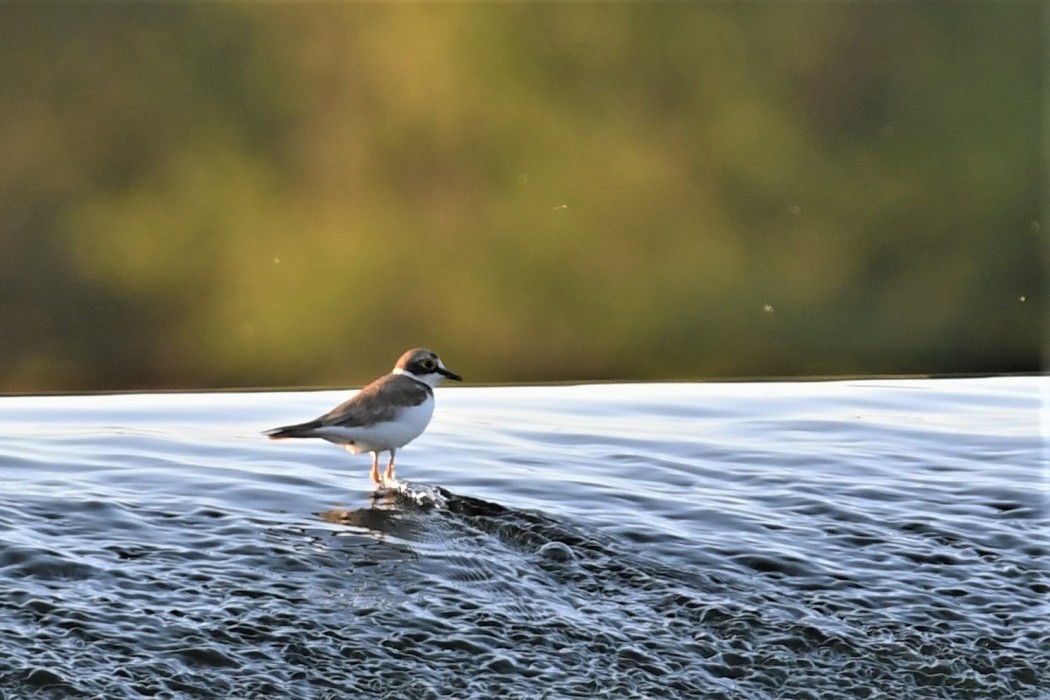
(761, 540)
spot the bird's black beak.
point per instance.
(450, 374)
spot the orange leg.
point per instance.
(375, 469)
(389, 476)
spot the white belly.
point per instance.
(410, 424)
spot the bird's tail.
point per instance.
(301, 430)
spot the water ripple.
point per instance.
(869, 539)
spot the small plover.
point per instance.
(387, 414)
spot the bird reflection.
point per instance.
(376, 516)
(395, 512)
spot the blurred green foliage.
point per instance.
(214, 195)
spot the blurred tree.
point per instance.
(222, 195)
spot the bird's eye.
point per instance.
(429, 364)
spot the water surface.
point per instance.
(752, 540)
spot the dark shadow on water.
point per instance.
(477, 532)
(410, 511)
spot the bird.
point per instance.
(385, 415)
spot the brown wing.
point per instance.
(377, 402)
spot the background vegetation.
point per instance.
(214, 195)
